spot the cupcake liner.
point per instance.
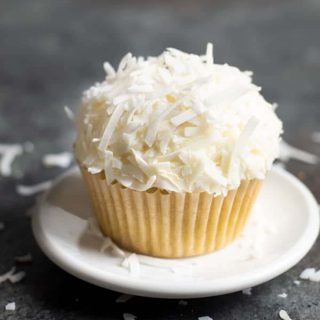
(169, 224)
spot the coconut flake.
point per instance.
(62, 160)
(4, 277)
(247, 291)
(282, 295)
(16, 277)
(297, 282)
(11, 306)
(124, 298)
(209, 54)
(129, 316)
(288, 152)
(183, 117)
(24, 259)
(284, 315)
(310, 274)
(69, 113)
(109, 70)
(133, 264)
(25, 190)
(242, 142)
(8, 154)
(110, 127)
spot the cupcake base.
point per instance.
(169, 224)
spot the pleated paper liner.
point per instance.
(169, 224)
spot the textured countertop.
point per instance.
(51, 50)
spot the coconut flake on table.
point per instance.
(247, 291)
(16, 277)
(11, 306)
(129, 316)
(124, 298)
(284, 315)
(310, 274)
(62, 160)
(8, 154)
(12, 276)
(288, 152)
(24, 259)
(183, 302)
(282, 295)
(29, 190)
(297, 282)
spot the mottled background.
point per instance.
(51, 50)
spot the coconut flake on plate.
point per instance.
(282, 295)
(8, 154)
(62, 160)
(29, 190)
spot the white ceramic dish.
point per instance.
(282, 229)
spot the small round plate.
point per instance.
(283, 227)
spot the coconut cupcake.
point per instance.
(173, 150)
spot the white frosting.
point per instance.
(177, 122)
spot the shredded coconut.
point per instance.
(24, 259)
(310, 274)
(11, 306)
(297, 282)
(16, 277)
(12, 276)
(129, 316)
(62, 160)
(149, 111)
(124, 298)
(8, 154)
(69, 113)
(282, 295)
(288, 152)
(25, 190)
(284, 315)
(247, 292)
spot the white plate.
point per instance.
(282, 229)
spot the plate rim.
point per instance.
(137, 286)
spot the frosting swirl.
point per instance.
(177, 122)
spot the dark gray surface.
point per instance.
(51, 50)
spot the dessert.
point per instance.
(173, 150)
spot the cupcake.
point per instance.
(173, 150)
